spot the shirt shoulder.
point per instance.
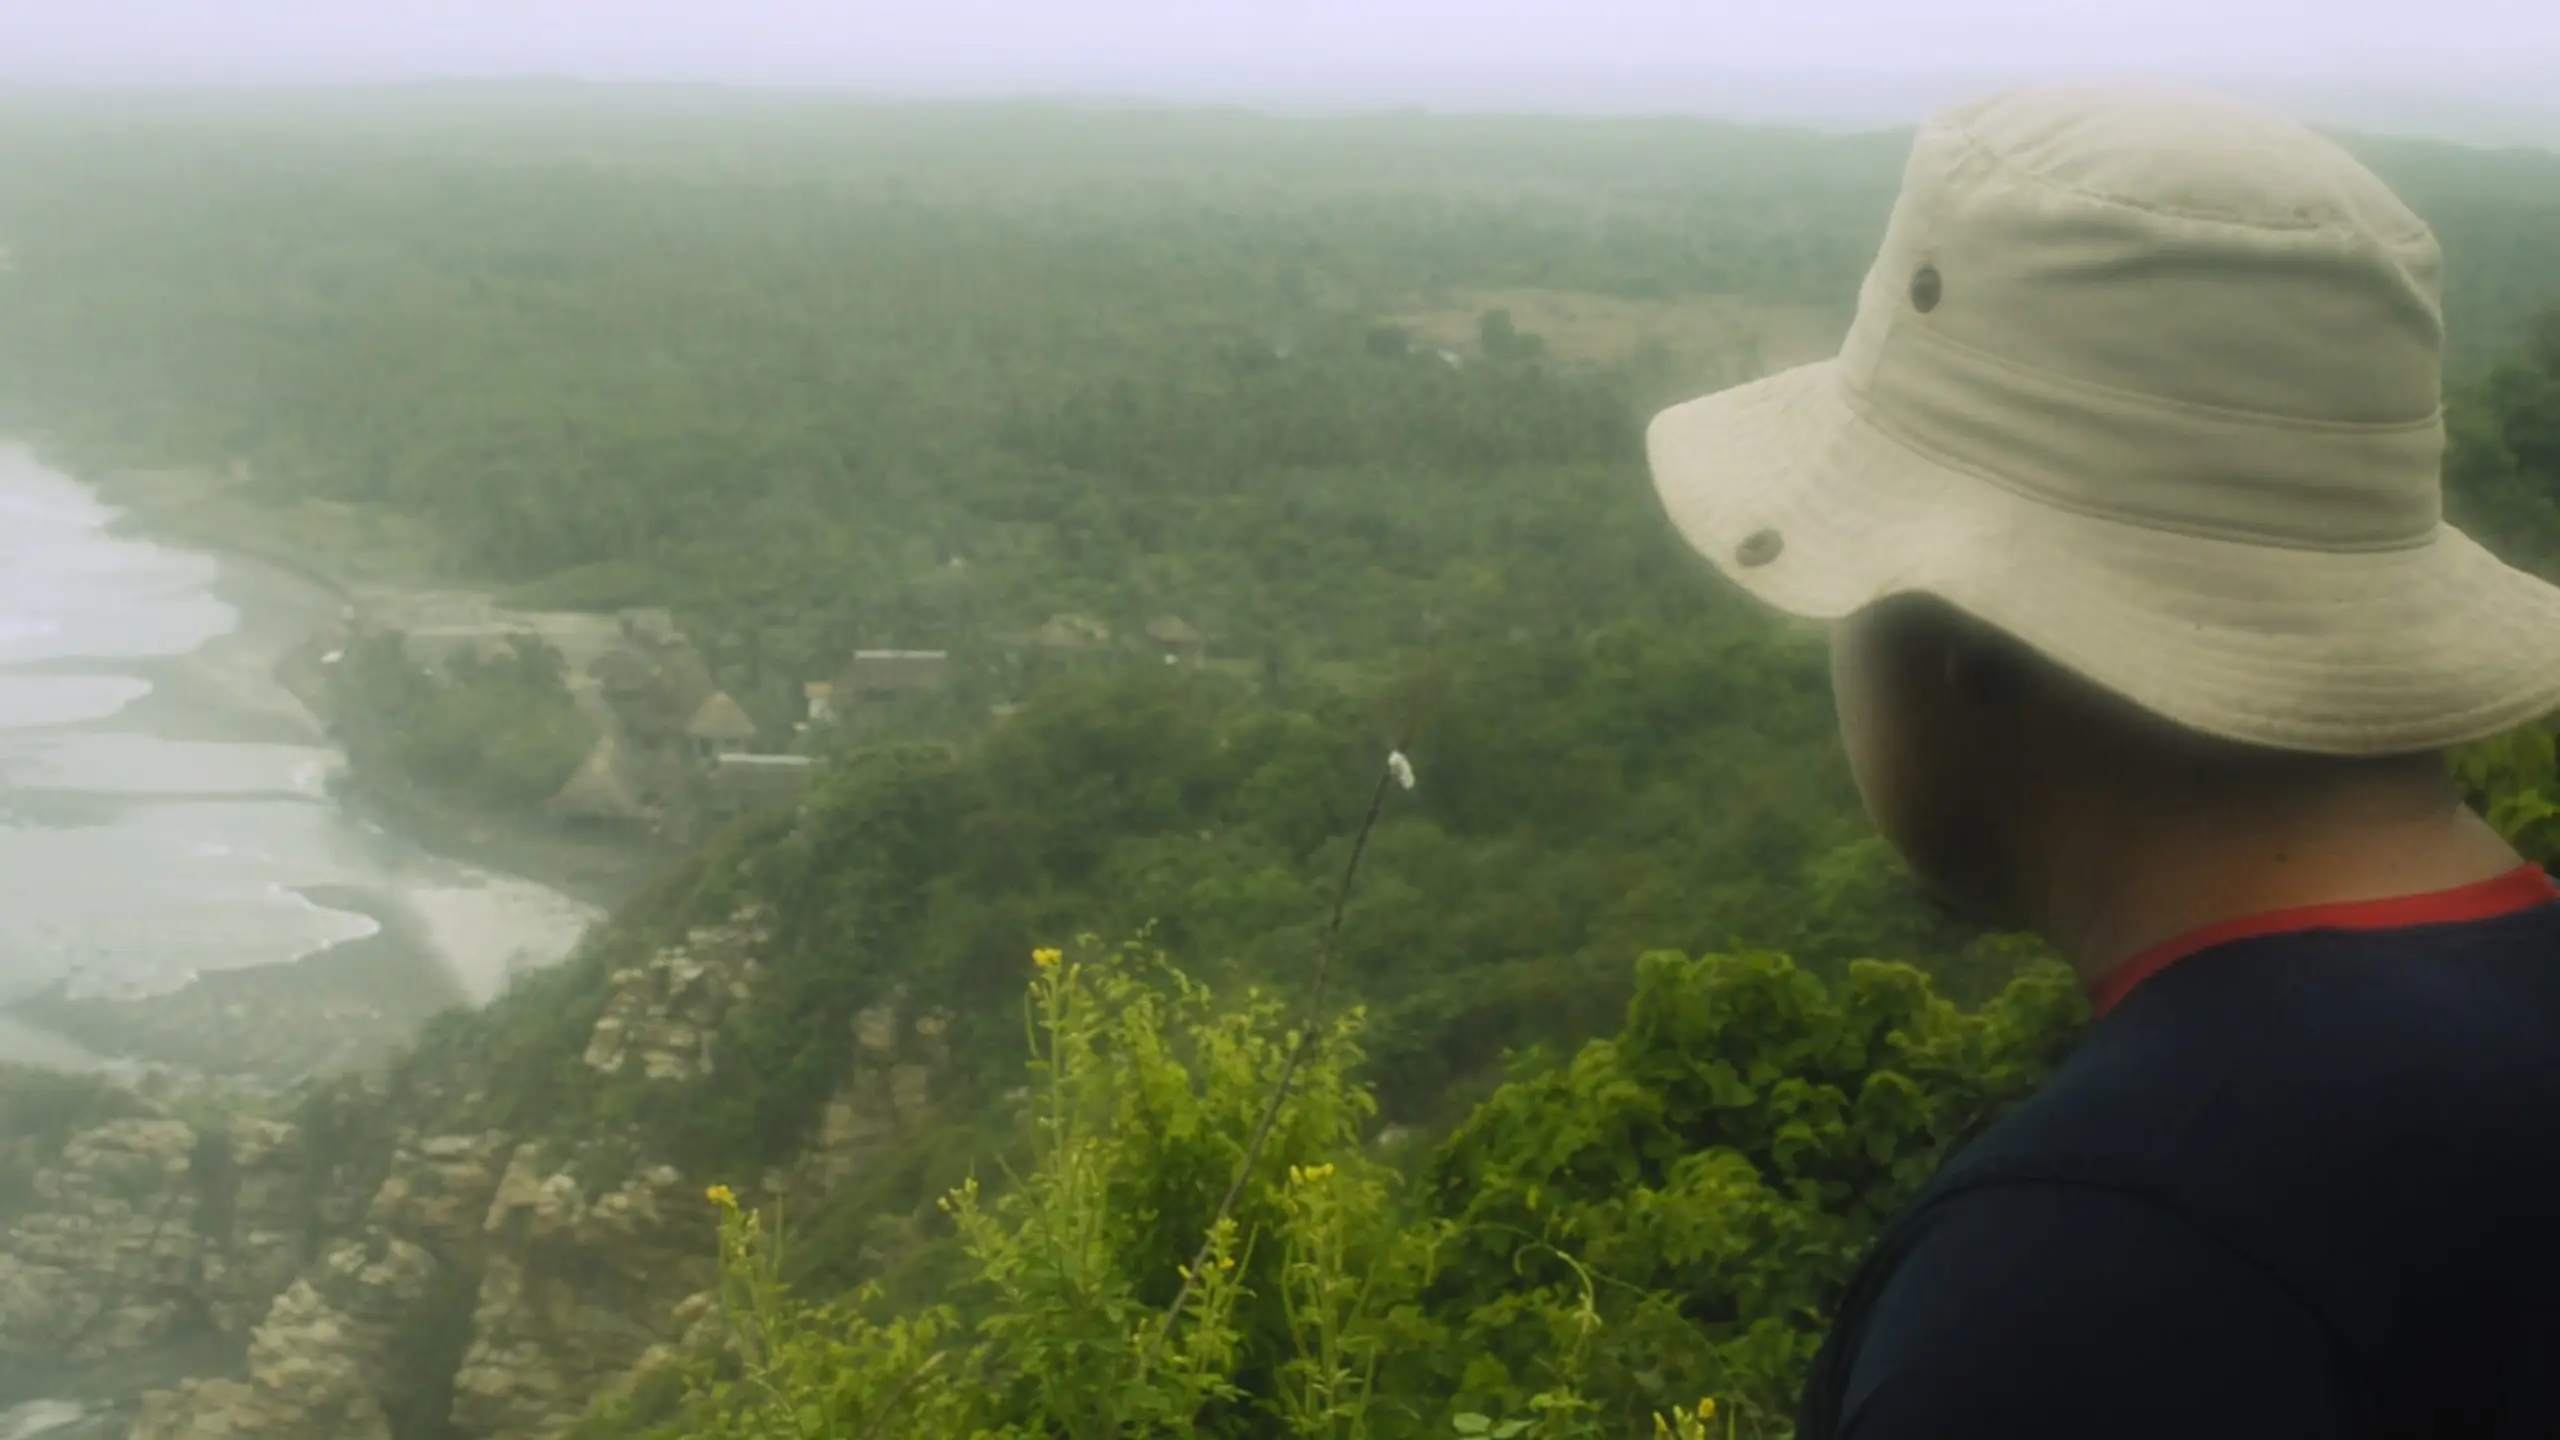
(2042, 1308)
(2255, 1076)
(2349, 1137)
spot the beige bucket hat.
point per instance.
(2150, 380)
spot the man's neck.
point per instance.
(2124, 872)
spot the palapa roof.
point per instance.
(658, 696)
(1173, 630)
(1070, 632)
(720, 718)
(603, 788)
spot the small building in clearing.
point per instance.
(662, 697)
(606, 786)
(1178, 639)
(720, 726)
(754, 782)
(1069, 633)
(876, 677)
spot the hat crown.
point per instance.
(2162, 306)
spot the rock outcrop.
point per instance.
(255, 1220)
(437, 1189)
(144, 1227)
(321, 1367)
(886, 1092)
(576, 1292)
(105, 1262)
(384, 1280)
(660, 1016)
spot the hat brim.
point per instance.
(2368, 652)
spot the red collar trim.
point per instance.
(2522, 888)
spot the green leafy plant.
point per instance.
(1668, 1214)
(2514, 781)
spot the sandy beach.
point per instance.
(192, 888)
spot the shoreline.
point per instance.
(448, 928)
(276, 1023)
(209, 514)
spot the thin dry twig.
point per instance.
(1389, 776)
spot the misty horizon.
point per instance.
(2474, 69)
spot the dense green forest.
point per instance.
(822, 375)
(1361, 399)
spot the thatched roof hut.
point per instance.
(657, 698)
(748, 782)
(1069, 632)
(606, 787)
(1177, 635)
(719, 718)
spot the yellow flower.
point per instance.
(1226, 1262)
(1046, 958)
(1685, 1424)
(720, 1195)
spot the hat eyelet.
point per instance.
(1926, 286)
(1759, 548)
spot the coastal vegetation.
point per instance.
(1631, 1030)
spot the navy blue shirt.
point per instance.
(2304, 1183)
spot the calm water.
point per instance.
(163, 802)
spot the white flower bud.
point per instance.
(1401, 767)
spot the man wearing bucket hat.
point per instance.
(2124, 494)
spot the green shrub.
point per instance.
(501, 730)
(1668, 1216)
(2513, 780)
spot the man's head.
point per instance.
(1982, 761)
(2126, 479)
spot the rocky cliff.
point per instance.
(366, 1279)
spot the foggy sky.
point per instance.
(1707, 55)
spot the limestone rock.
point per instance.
(253, 1240)
(875, 1031)
(436, 1191)
(104, 1262)
(141, 1223)
(661, 1015)
(577, 1293)
(223, 1410)
(321, 1363)
(886, 1092)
